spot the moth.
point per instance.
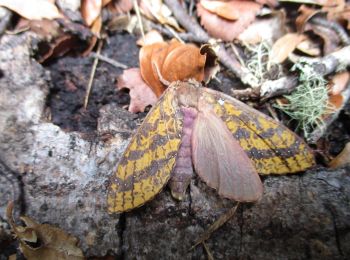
(195, 129)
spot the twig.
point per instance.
(225, 58)
(112, 62)
(5, 20)
(246, 94)
(187, 21)
(336, 61)
(186, 37)
(336, 27)
(92, 74)
(217, 224)
(137, 10)
(210, 256)
(174, 33)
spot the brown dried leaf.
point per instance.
(315, 2)
(306, 13)
(342, 159)
(339, 83)
(284, 46)
(156, 10)
(33, 9)
(151, 37)
(270, 3)
(309, 47)
(43, 241)
(90, 10)
(225, 29)
(146, 68)
(141, 95)
(170, 62)
(184, 62)
(265, 29)
(96, 26)
(120, 6)
(330, 38)
(227, 10)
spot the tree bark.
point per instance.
(64, 178)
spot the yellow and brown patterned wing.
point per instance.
(148, 161)
(273, 148)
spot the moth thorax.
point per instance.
(187, 95)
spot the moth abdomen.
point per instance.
(183, 170)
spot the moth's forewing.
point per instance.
(147, 163)
(221, 162)
(272, 147)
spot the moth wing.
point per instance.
(147, 163)
(221, 162)
(272, 147)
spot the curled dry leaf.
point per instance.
(226, 10)
(120, 6)
(90, 10)
(43, 241)
(306, 13)
(170, 61)
(339, 82)
(223, 28)
(331, 39)
(33, 9)
(156, 10)
(265, 29)
(315, 2)
(284, 46)
(141, 94)
(151, 37)
(309, 47)
(342, 159)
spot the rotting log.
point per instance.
(64, 177)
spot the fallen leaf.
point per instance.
(224, 29)
(170, 61)
(96, 26)
(156, 10)
(313, 2)
(212, 66)
(120, 6)
(43, 241)
(270, 3)
(228, 10)
(90, 10)
(339, 82)
(33, 9)
(265, 29)
(284, 46)
(306, 13)
(151, 37)
(342, 159)
(141, 95)
(146, 68)
(330, 38)
(309, 47)
(183, 62)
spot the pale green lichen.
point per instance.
(258, 62)
(309, 101)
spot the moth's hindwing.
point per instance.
(273, 148)
(147, 163)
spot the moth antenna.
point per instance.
(163, 80)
